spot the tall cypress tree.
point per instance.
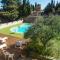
(28, 8)
(53, 6)
(57, 8)
(50, 8)
(32, 7)
(4, 3)
(24, 8)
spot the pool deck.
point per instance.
(8, 24)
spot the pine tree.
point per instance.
(53, 6)
(24, 8)
(35, 4)
(10, 9)
(32, 7)
(28, 8)
(57, 8)
(4, 3)
(50, 8)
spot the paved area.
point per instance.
(8, 24)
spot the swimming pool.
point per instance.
(21, 29)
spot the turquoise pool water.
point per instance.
(21, 29)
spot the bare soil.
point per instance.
(11, 47)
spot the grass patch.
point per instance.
(8, 32)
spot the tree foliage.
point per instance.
(32, 7)
(24, 8)
(41, 34)
(13, 9)
(52, 8)
(57, 8)
(9, 9)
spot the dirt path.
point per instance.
(11, 40)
